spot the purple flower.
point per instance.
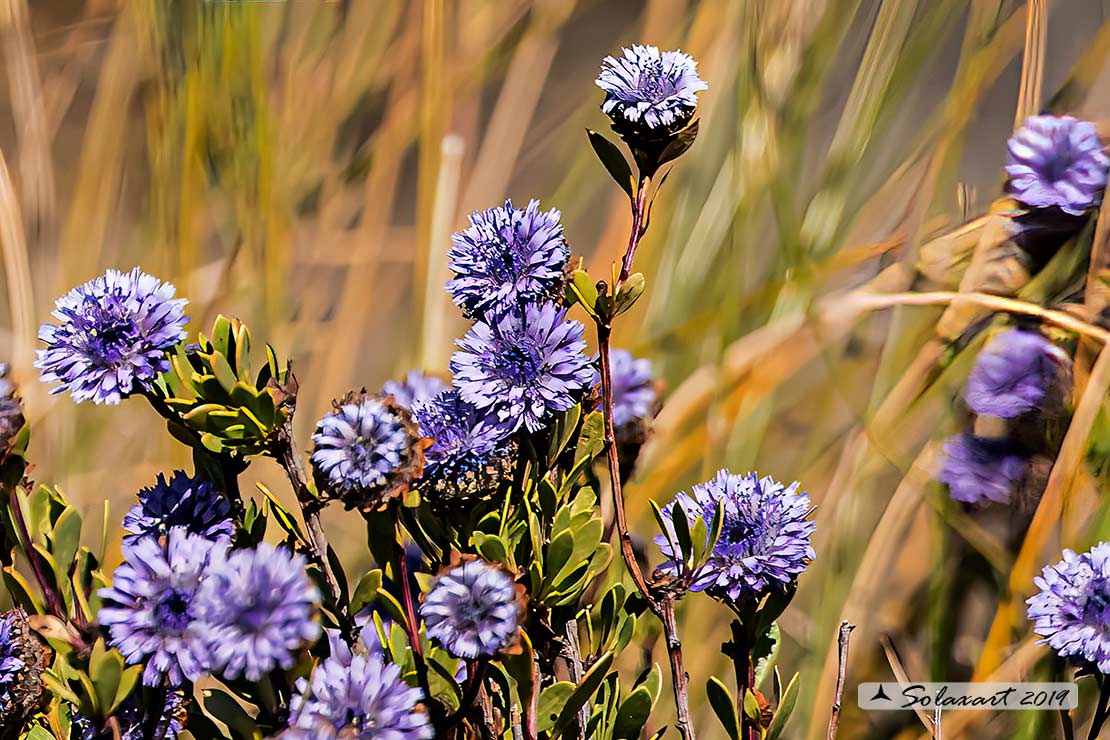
(507, 258)
(11, 409)
(1057, 161)
(367, 450)
(151, 609)
(182, 501)
(357, 697)
(463, 439)
(980, 470)
(1013, 374)
(523, 366)
(11, 661)
(416, 387)
(473, 610)
(633, 388)
(764, 542)
(255, 610)
(112, 337)
(644, 86)
(1072, 611)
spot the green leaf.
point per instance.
(765, 653)
(66, 539)
(127, 682)
(584, 291)
(614, 162)
(720, 699)
(366, 590)
(633, 714)
(105, 671)
(629, 293)
(751, 706)
(784, 709)
(552, 701)
(585, 689)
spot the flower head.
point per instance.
(465, 443)
(416, 387)
(473, 610)
(1013, 375)
(980, 470)
(256, 608)
(523, 366)
(1057, 161)
(633, 388)
(507, 258)
(1072, 611)
(367, 450)
(151, 607)
(22, 662)
(11, 408)
(181, 501)
(357, 697)
(648, 88)
(112, 336)
(764, 542)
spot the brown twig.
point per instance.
(639, 227)
(412, 630)
(284, 450)
(573, 653)
(842, 669)
(680, 680)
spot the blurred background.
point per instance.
(302, 165)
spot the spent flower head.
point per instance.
(256, 610)
(524, 366)
(112, 336)
(180, 501)
(507, 258)
(150, 610)
(1071, 612)
(765, 535)
(1057, 161)
(367, 450)
(468, 447)
(982, 470)
(1014, 374)
(473, 610)
(648, 89)
(23, 659)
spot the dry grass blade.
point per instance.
(13, 245)
(1032, 63)
(903, 678)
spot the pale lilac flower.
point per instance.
(633, 387)
(647, 87)
(416, 387)
(1072, 611)
(980, 470)
(360, 443)
(473, 610)
(1013, 374)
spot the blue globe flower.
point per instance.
(634, 393)
(357, 696)
(112, 336)
(980, 470)
(473, 610)
(507, 258)
(181, 501)
(1057, 161)
(524, 366)
(1071, 612)
(1013, 374)
(651, 89)
(255, 610)
(150, 609)
(765, 537)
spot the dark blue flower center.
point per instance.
(519, 364)
(654, 85)
(110, 329)
(172, 611)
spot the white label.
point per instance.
(949, 697)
